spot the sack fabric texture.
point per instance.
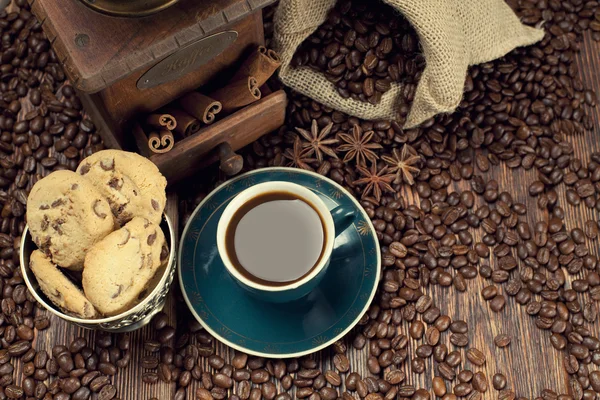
(453, 34)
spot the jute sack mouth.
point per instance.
(453, 34)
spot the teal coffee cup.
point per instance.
(333, 221)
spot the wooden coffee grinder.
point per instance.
(130, 58)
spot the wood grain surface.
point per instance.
(530, 363)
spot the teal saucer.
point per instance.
(269, 329)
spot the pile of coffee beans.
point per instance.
(363, 47)
(517, 111)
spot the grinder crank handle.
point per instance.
(230, 162)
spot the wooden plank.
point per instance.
(100, 50)
(530, 363)
(239, 129)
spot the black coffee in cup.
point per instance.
(275, 238)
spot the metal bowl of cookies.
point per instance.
(98, 250)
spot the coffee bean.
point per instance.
(462, 389)
(165, 334)
(98, 383)
(459, 327)
(108, 392)
(502, 340)
(476, 357)
(259, 376)
(497, 303)
(70, 385)
(439, 387)
(480, 382)
(459, 339)
(421, 394)
(13, 392)
(453, 359)
(65, 361)
(18, 348)
(341, 363)
(416, 329)
(499, 381)
(333, 378)
(506, 394)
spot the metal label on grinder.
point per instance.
(187, 59)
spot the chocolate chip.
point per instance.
(57, 203)
(108, 165)
(45, 223)
(115, 183)
(152, 239)
(97, 209)
(118, 292)
(85, 168)
(154, 204)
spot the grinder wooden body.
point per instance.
(124, 68)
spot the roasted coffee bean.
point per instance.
(439, 387)
(341, 363)
(421, 394)
(462, 389)
(98, 383)
(108, 392)
(476, 357)
(480, 382)
(259, 376)
(459, 339)
(499, 381)
(70, 385)
(13, 392)
(502, 340)
(333, 378)
(497, 303)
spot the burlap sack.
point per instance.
(453, 35)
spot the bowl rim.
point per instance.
(98, 321)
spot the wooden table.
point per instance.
(530, 363)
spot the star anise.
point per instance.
(298, 156)
(376, 181)
(402, 162)
(316, 141)
(358, 146)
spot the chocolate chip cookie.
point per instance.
(66, 216)
(132, 184)
(59, 289)
(119, 268)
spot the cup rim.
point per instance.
(98, 321)
(256, 190)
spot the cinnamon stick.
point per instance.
(161, 141)
(238, 94)
(187, 125)
(161, 121)
(202, 107)
(261, 64)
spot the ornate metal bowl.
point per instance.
(130, 320)
(129, 8)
